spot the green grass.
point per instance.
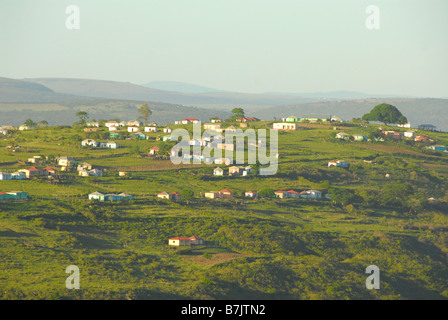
(292, 249)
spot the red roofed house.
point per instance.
(293, 194)
(31, 172)
(420, 139)
(164, 195)
(49, 171)
(190, 120)
(153, 150)
(287, 194)
(175, 196)
(225, 194)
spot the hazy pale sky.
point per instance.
(238, 45)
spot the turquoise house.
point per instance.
(18, 195)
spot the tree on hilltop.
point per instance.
(145, 113)
(385, 113)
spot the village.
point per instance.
(50, 169)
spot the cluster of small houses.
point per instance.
(84, 169)
(109, 196)
(135, 127)
(394, 135)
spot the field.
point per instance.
(266, 248)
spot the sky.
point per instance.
(237, 45)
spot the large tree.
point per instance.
(145, 113)
(30, 123)
(83, 116)
(385, 113)
(237, 113)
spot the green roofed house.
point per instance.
(18, 195)
(140, 136)
(291, 119)
(315, 118)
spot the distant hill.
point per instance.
(179, 87)
(417, 111)
(126, 90)
(336, 95)
(21, 100)
(18, 91)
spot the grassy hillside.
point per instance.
(417, 110)
(255, 249)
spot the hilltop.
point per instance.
(21, 100)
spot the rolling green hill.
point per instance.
(254, 249)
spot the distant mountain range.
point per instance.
(20, 100)
(126, 90)
(179, 87)
(339, 95)
(58, 99)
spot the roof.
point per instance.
(154, 148)
(179, 238)
(194, 238)
(292, 191)
(96, 193)
(225, 191)
(33, 169)
(175, 193)
(251, 192)
(163, 193)
(280, 191)
(3, 193)
(190, 119)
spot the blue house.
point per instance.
(439, 148)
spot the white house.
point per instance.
(111, 145)
(134, 123)
(65, 161)
(167, 130)
(92, 124)
(218, 172)
(133, 129)
(251, 194)
(150, 129)
(338, 163)
(284, 126)
(90, 143)
(18, 175)
(111, 124)
(342, 136)
(409, 134)
(96, 173)
(311, 194)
